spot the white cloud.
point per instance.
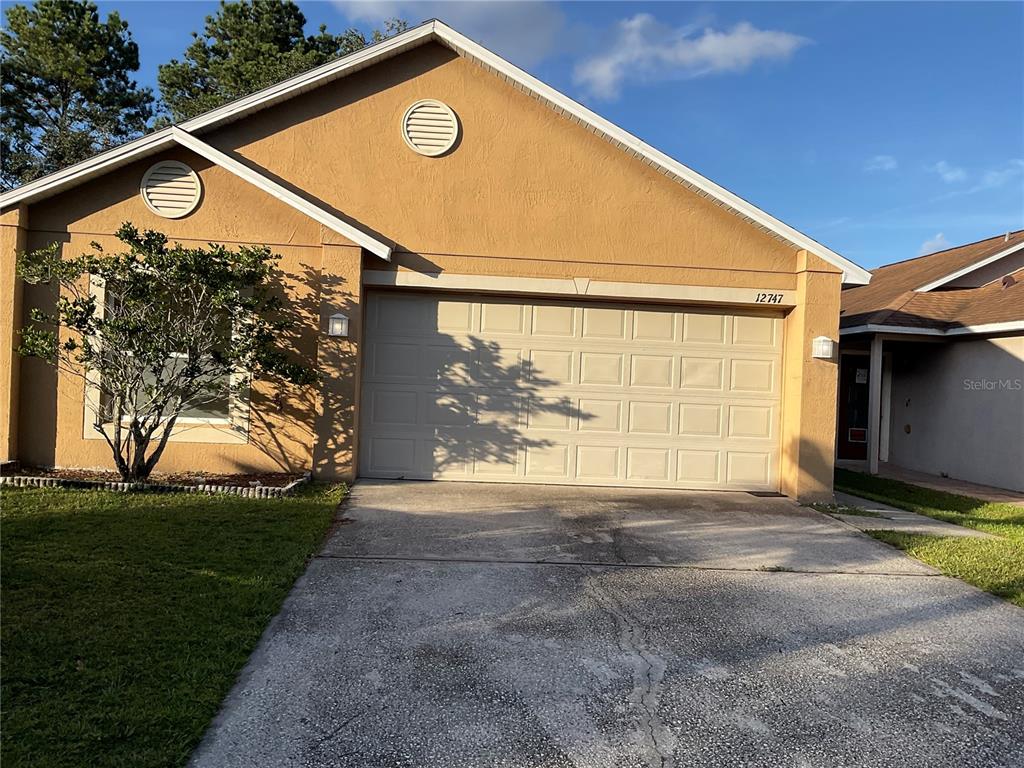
(1000, 176)
(881, 163)
(948, 173)
(523, 32)
(644, 49)
(933, 244)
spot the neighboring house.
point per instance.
(932, 365)
(531, 293)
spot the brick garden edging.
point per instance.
(257, 492)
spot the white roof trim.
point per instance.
(963, 330)
(436, 30)
(87, 169)
(969, 268)
(286, 196)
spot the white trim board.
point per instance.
(579, 287)
(374, 246)
(969, 268)
(964, 330)
(439, 32)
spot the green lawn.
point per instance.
(995, 565)
(127, 617)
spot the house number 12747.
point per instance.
(769, 298)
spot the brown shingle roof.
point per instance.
(891, 297)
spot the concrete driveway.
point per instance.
(504, 625)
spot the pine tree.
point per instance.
(247, 46)
(67, 89)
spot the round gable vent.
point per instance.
(171, 189)
(430, 127)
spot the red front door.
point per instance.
(853, 407)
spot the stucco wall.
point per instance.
(964, 406)
(51, 423)
(525, 193)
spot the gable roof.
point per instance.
(437, 31)
(903, 295)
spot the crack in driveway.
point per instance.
(648, 672)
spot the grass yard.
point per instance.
(127, 617)
(995, 565)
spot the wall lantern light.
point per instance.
(822, 348)
(337, 325)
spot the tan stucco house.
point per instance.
(932, 365)
(531, 293)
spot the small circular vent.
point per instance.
(430, 127)
(171, 189)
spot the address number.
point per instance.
(769, 298)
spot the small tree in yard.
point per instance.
(174, 326)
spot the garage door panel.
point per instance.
(754, 331)
(552, 320)
(556, 392)
(448, 364)
(648, 464)
(454, 317)
(394, 407)
(753, 376)
(748, 468)
(700, 420)
(703, 328)
(604, 323)
(654, 326)
(503, 318)
(701, 373)
(598, 463)
(394, 362)
(647, 418)
(596, 415)
(601, 368)
(655, 371)
(698, 467)
(548, 460)
(549, 367)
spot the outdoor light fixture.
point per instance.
(822, 348)
(337, 325)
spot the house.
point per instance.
(495, 283)
(931, 374)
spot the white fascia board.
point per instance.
(963, 330)
(311, 79)
(891, 329)
(96, 165)
(1010, 325)
(969, 268)
(852, 273)
(201, 148)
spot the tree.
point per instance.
(247, 46)
(175, 326)
(67, 93)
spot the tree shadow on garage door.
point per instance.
(494, 408)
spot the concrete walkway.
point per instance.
(936, 483)
(894, 519)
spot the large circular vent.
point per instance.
(171, 189)
(430, 127)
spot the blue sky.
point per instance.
(884, 130)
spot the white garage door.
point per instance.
(473, 388)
